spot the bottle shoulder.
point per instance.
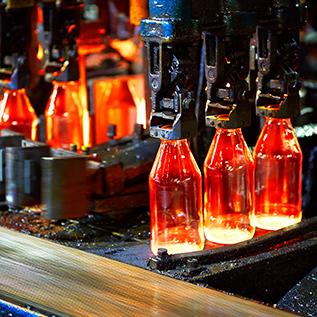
(174, 165)
(228, 153)
(277, 145)
(277, 138)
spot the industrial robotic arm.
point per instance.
(277, 40)
(178, 32)
(172, 39)
(38, 35)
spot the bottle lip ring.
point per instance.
(167, 127)
(224, 116)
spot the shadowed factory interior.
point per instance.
(158, 158)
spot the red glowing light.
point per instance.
(229, 181)
(39, 15)
(71, 28)
(278, 172)
(176, 199)
(127, 48)
(17, 113)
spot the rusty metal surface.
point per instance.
(302, 297)
(258, 244)
(265, 277)
(263, 268)
(69, 282)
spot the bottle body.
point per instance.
(64, 116)
(175, 186)
(278, 176)
(17, 113)
(229, 188)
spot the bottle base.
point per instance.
(178, 240)
(273, 222)
(228, 236)
(229, 229)
(277, 216)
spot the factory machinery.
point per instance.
(216, 63)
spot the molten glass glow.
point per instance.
(229, 181)
(278, 176)
(114, 104)
(40, 52)
(89, 42)
(64, 116)
(127, 48)
(136, 87)
(82, 91)
(17, 113)
(175, 185)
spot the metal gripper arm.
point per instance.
(226, 49)
(277, 39)
(172, 41)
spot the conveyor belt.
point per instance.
(70, 282)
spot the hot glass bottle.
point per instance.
(64, 116)
(229, 181)
(17, 113)
(175, 185)
(278, 176)
(114, 105)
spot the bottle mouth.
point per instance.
(273, 107)
(167, 127)
(224, 116)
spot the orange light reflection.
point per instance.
(177, 240)
(40, 52)
(127, 48)
(136, 87)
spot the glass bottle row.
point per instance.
(63, 115)
(241, 191)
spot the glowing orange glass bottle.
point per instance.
(229, 181)
(17, 113)
(176, 199)
(64, 116)
(278, 176)
(114, 105)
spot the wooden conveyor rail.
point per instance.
(70, 282)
